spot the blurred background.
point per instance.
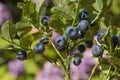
(37, 68)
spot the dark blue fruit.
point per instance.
(77, 61)
(80, 34)
(60, 41)
(44, 20)
(21, 55)
(115, 40)
(39, 48)
(44, 40)
(71, 32)
(83, 15)
(81, 48)
(100, 34)
(83, 25)
(97, 50)
(88, 44)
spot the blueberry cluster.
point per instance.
(74, 33)
(39, 48)
(97, 50)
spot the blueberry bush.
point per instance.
(77, 23)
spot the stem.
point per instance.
(74, 18)
(66, 72)
(108, 74)
(97, 17)
(93, 70)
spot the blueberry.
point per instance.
(71, 32)
(100, 34)
(44, 20)
(77, 61)
(60, 41)
(97, 50)
(80, 34)
(115, 40)
(81, 48)
(21, 55)
(83, 15)
(39, 48)
(44, 40)
(83, 25)
(88, 44)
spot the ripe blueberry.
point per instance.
(100, 34)
(88, 44)
(77, 61)
(39, 48)
(80, 34)
(97, 50)
(83, 15)
(44, 20)
(81, 48)
(21, 55)
(71, 32)
(115, 40)
(83, 25)
(60, 41)
(44, 40)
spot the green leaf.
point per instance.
(20, 5)
(38, 5)
(8, 30)
(22, 25)
(35, 19)
(64, 11)
(56, 23)
(98, 5)
(86, 3)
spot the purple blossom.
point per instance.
(81, 72)
(16, 67)
(4, 13)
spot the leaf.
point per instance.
(64, 11)
(50, 53)
(20, 5)
(35, 19)
(38, 5)
(56, 23)
(86, 3)
(8, 30)
(98, 5)
(22, 25)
